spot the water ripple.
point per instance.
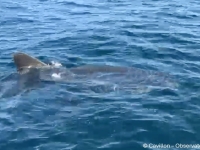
(156, 35)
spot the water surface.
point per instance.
(153, 35)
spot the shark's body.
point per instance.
(32, 70)
(27, 64)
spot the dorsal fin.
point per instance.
(23, 60)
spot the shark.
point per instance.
(32, 71)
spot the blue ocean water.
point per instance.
(152, 35)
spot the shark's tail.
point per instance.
(23, 60)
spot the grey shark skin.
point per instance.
(33, 70)
(26, 63)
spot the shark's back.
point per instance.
(120, 74)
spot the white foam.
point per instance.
(56, 75)
(56, 64)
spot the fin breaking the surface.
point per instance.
(23, 60)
